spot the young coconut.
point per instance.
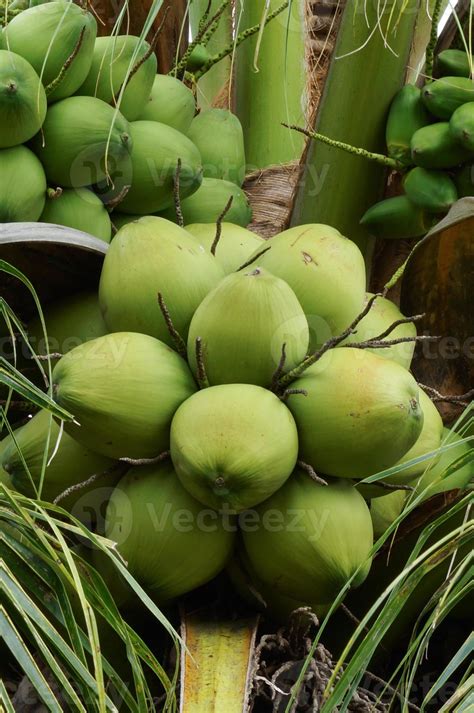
(244, 324)
(453, 471)
(385, 510)
(235, 246)
(361, 413)
(170, 542)
(233, 445)
(57, 39)
(123, 390)
(310, 539)
(22, 186)
(219, 137)
(171, 102)
(83, 141)
(40, 446)
(113, 61)
(78, 208)
(22, 100)
(148, 257)
(208, 202)
(381, 316)
(326, 272)
(152, 170)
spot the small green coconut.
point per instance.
(385, 510)
(123, 390)
(151, 173)
(219, 137)
(22, 186)
(361, 413)
(171, 102)
(78, 208)
(48, 36)
(170, 542)
(113, 60)
(233, 445)
(381, 316)
(235, 245)
(453, 470)
(22, 100)
(152, 256)
(207, 204)
(326, 272)
(243, 325)
(40, 444)
(307, 540)
(83, 141)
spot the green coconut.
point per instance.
(40, 444)
(219, 137)
(152, 256)
(170, 542)
(233, 445)
(326, 272)
(243, 324)
(22, 185)
(5, 478)
(22, 100)
(235, 245)
(48, 36)
(198, 58)
(454, 469)
(120, 219)
(123, 390)
(307, 540)
(385, 510)
(78, 208)
(381, 316)
(209, 201)
(150, 173)
(361, 413)
(171, 102)
(69, 323)
(113, 60)
(83, 140)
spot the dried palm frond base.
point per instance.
(270, 192)
(279, 659)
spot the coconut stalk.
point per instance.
(270, 82)
(211, 88)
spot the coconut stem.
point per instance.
(173, 332)
(147, 461)
(114, 202)
(430, 50)
(311, 472)
(397, 323)
(239, 39)
(252, 259)
(436, 396)
(177, 199)
(46, 357)
(348, 148)
(54, 193)
(290, 392)
(279, 370)
(79, 486)
(219, 221)
(203, 381)
(384, 343)
(56, 82)
(206, 29)
(389, 486)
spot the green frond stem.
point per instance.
(206, 29)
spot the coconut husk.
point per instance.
(271, 193)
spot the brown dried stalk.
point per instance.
(219, 222)
(173, 332)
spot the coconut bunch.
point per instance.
(96, 129)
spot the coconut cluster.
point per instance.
(101, 136)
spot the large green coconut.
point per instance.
(113, 60)
(235, 245)
(152, 169)
(326, 272)
(233, 445)
(170, 542)
(149, 256)
(22, 185)
(385, 510)
(123, 390)
(219, 137)
(360, 415)
(47, 36)
(83, 140)
(78, 208)
(208, 202)
(22, 100)
(243, 324)
(171, 102)
(310, 539)
(381, 316)
(42, 447)
(454, 470)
